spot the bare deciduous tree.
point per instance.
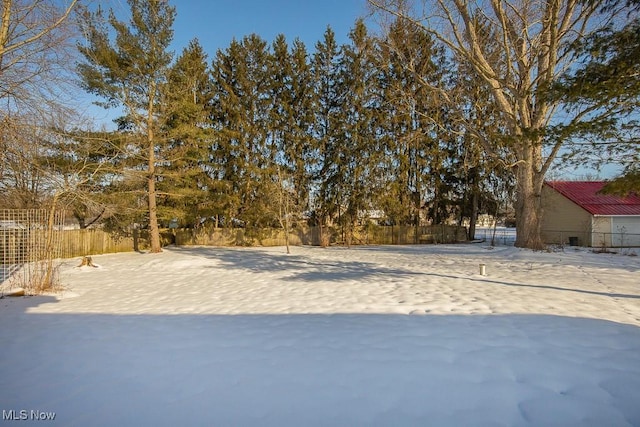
(23, 182)
(532, 37)
(34, 51)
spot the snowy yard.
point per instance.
(410, 335)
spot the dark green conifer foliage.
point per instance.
(356, 153)
(185, 175)
(608, 80)
(328, 120)
(268, 131)
(244, 152)
(414, 133)
(225, 158)
(300, 152)
(129, 72)
(291, 115)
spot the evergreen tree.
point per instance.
(244, 151)
(184, 171)
(129, 72)
(607, 80)
(291, 114)
(83, 163)
(356, 153)
(327, 121)
(300, 152)
(413, 73)
(225, 163)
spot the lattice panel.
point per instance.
(29, 244)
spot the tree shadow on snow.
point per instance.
(525, 285)
(300, 268)
(309, 269)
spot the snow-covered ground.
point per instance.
(384, 335)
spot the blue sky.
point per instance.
(216, 22)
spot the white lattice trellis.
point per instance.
(29, 244)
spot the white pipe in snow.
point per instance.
(483, 269)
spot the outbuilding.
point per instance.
(577, 213)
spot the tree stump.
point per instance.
(87, 261)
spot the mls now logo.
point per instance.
(23, 415)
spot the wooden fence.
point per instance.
(76, 243)
(368, 235)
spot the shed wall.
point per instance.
(562, 219)
(625, 231)
(601, 236)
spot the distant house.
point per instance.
(576, 213)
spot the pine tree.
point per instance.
(225, 162)
(478, 172)
(83, 163)
(129, 72)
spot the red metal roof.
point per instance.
(585, 194)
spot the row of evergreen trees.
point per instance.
(264, 131)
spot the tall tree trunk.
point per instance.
(154, 230)
(473, 217)
(528, 207)
(283, 209)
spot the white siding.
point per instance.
(625, 231)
